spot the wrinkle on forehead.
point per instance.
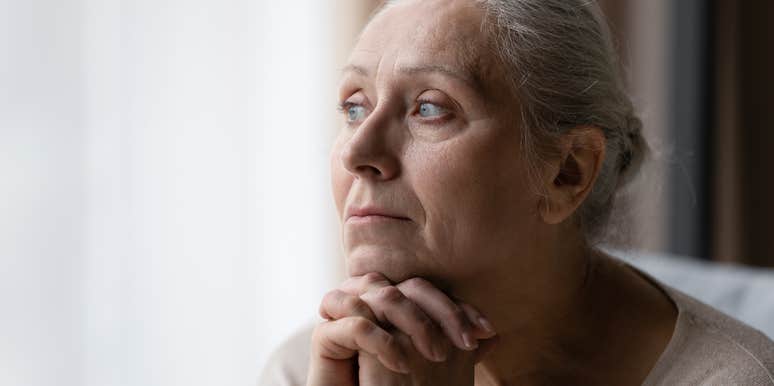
(432, 33)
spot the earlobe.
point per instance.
(549, 212)
(572, 174)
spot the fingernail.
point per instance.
(469, 342)
(403, 367)
(484, 323)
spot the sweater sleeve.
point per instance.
(288, 364)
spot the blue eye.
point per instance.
(355, 113)
(428, 110)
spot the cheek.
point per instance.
(475, 195)
(341, 180)
(453, 193)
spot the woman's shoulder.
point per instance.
(288, 364)
(710, 347)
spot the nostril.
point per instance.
(370, 170)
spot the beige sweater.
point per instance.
(707, 348)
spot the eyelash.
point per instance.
(342, 107)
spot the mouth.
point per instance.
(372, 215)
(374, 218)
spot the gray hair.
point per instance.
(562, 65)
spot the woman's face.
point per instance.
(427, 171)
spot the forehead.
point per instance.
(446, 34)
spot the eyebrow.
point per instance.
(466, 78)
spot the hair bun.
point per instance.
(634, 148)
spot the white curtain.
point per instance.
(165, 215)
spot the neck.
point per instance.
(543, 314)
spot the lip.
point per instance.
(372, 214)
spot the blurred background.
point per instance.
(165, 216)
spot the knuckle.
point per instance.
(416, 283)
(361, 326)
(330, 297)
(325, 304)
(456, 316)
(354, 304)
(389, 294)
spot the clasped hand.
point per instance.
(411, 333)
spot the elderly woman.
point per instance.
(483, 145)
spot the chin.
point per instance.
(394, 264)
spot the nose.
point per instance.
(372, 150)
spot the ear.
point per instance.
(570, 177)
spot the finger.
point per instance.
(389, 304)
(370, 369)
(343, 338)
(402, 314)
(483, 328)
(442, 310)
(338, 304)
(359, 285)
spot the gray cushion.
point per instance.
(743, 292)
